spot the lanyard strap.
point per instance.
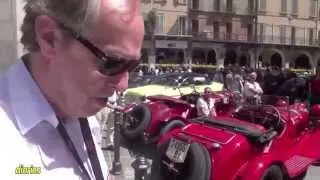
(87, 136)
(72, 149)
(91, 148)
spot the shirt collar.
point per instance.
(29, 106)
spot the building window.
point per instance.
(181, 1)
(293, 35)
(311, 36)
(229, 30)
(216, 30)
(283, 34)
(182, 25)
(217, 5)
(262, 35)
(250, 34)
(195, 26)
(229, 5)
(313, 8)
(160, 23)
(284, 6)
(251, 6)
(262, 5)
(295, 7)
(195, 4)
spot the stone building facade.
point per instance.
(256, 33)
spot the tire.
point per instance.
(142, 115)
(274, 172)
(197, 165)
(172, 124)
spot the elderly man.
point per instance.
(79, 53)
(252, 90)
(205, 104)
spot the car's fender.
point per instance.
(256, 167)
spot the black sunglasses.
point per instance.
(108, 65)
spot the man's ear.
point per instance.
(47, 35)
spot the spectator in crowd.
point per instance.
(206, 104)
(272, 80)
(219, 77)
(294, 87)
(77, 53)
(314, 87)
(228, 83)
(106, 118)
(252, 89)
(140, 73)
(237, 84)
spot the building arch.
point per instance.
(212, 57)
(198, 56)
(272, 57)
(303, 60)
(230, 57)
(244, 60)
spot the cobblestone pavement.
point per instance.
(126, 160)
(313, 173)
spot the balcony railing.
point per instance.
(221, 36)
(242, 38)
(263, 39)
(234, 11)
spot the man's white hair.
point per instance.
(80, 15)
(120, 5)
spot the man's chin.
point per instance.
(94, 108)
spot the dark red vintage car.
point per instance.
(261, 142)
(160, 114)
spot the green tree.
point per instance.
(150, 26)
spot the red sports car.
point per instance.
(160, 114)
(261, 142)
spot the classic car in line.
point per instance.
(150, 120)
(270, 141)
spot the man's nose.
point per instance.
(123, 82)
(120, 81)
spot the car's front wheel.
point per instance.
(274, 172)
(135, 122)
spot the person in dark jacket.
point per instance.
(294, 87)
(272, 80)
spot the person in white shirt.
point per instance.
(106, 118)
(252, 89)
(78, 52)
(206, 104)
(102, 122)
